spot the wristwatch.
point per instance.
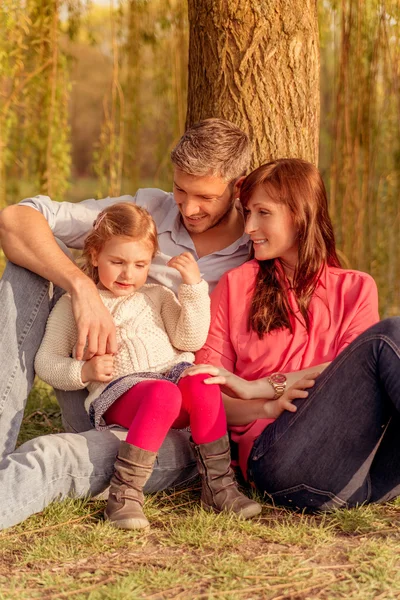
(278, 382)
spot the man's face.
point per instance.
(202, 201)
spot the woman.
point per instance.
(286, 314)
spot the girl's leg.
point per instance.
(328, 453)
(148, 410)
(203, 406)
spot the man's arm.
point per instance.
(36, 250)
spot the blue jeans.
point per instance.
(72, 464)
(342, 446)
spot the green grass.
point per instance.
(68, 551)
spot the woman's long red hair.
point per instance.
(297, 184)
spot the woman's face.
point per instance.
(271, 229)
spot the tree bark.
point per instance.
(256, 63)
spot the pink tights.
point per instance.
(151, 408)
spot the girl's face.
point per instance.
(123, 265)
(271, 229)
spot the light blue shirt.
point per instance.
(72, 222)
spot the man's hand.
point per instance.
(96, 329)
(274, 408)
(98, 368)
(231, 384)
(187, 266)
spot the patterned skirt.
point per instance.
(118, 387)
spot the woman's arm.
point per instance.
(362, 308)
(261, 388)
(249, 390)
(242, 412)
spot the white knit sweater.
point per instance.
(155, 331)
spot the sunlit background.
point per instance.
(93, 98)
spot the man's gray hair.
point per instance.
(213, 147)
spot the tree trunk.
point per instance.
(256, 63)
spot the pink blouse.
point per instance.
(344, 304)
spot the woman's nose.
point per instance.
(250, 224)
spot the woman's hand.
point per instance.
(231, 384)
(98, 368)
(187, 266)
(274, 408)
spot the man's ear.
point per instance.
(238, 185)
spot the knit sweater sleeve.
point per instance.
(53, 362)
(187, 318)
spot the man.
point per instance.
(201, 216)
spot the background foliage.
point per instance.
(92, 98)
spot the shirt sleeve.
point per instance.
(186, 318)
(218, 349)
(364, 310)
(71, 222)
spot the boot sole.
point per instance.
(128, 523)
(246, 513)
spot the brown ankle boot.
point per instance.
(132, 469)
(219, 487)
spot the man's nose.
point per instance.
(190, 207)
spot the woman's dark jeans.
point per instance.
(342, 446)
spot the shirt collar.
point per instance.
(321, 281)
(172, 223)
(169, 221)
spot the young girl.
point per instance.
(140, 388)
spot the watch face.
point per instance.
(278, 377)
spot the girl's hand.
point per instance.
(231, 384)
(187, 266)
(274, 408)
(98, 368)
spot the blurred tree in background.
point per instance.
(360, 136)
(34, 93)
(93, 97)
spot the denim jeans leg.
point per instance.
(24, 301)
(324, 454)
(74, 417)
(384, 474)
(54, 467)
